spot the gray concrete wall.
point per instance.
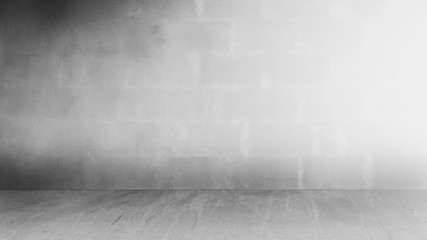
(212, 94)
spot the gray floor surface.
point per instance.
(162, 215)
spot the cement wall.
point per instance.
(212, 94)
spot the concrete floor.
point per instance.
(207, 215)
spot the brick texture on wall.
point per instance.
(206, 94)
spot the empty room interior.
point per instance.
(213, 119)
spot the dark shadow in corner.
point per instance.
(32, 174)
